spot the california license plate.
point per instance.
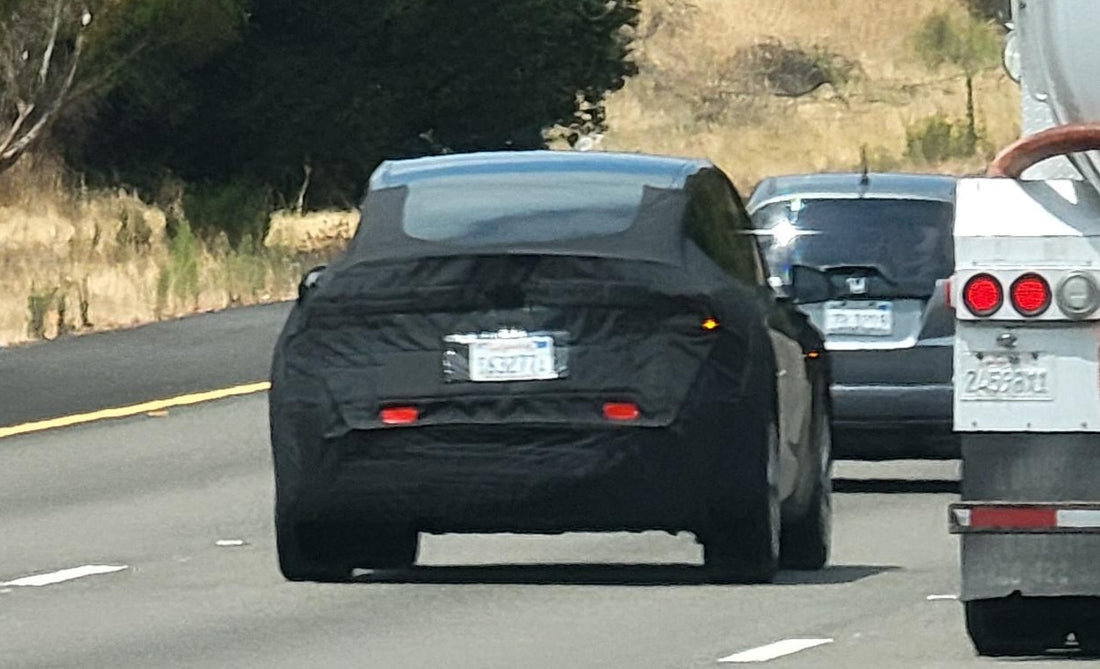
(513, 359)
(859, 318)
(995, 376)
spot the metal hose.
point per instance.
(1014, 159)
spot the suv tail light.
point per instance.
(982, 295)
(1030, 294)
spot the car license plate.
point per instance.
(994, 376)
(859, 318)
(512, 359)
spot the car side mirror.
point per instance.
(780, 289)
(810, 285)
(310, 280)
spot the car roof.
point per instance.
(666, 171)
(853, 185)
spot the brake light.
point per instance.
(399, 415)
(621, 411)
(1030, 295)
(982, 294)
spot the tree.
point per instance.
(331, 87)
(969, 44)
(41, 46)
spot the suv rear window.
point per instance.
(522, 207)
(903, 245)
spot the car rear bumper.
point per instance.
(894, 421)
(522, 479)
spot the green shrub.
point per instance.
(183, 265)
(938, 138)
(39, 304)
(239, 208)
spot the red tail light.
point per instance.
(1030, 295)
(982, 294)
(621, 411)
(399, 415)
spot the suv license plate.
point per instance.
(998, 377)
(867, 318)
(513, 359)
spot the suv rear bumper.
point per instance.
(877, 422)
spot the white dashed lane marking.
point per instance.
(774, 650)
(39, 580)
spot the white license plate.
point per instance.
(870, 318)
(513, 359)
(1001, 377)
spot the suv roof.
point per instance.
(671, 171)
(853, 185)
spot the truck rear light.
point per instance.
(621, 411)
(982, 295)
(1078, 295)
(1030, 295)
(399, 415)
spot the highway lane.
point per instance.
(110, 369)
(156, 494)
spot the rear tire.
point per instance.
(1013, 626)
(804, 543)
(742, 545)
(326, 552)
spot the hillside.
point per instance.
(721, 78)
(759, 86)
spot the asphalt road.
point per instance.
(142, 504)
(98, 371)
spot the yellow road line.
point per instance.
(135, 409)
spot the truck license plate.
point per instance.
(1000, 377)
(513, 359)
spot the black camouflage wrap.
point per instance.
(532, 455)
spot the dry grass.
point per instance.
(72, 262)
(681, 103)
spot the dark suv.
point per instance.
(867, 258)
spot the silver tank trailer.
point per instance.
(1055, 50)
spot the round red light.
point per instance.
(982, 295)
(1030, 294)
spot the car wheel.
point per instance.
(742, 544)
(805, 541)
(326, 552)
(1013, 627)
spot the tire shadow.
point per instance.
(604, 574)
(895, 486)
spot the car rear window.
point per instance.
(522, 207)
(908, 243)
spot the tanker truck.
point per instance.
(1026, 293)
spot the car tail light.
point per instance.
(982, 294)
(1078, 295)
(1030, 295)
(621, 411)
(399, 415)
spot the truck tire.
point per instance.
(326, 552)
(804, 543)
(1013, 626)
(741, 545)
